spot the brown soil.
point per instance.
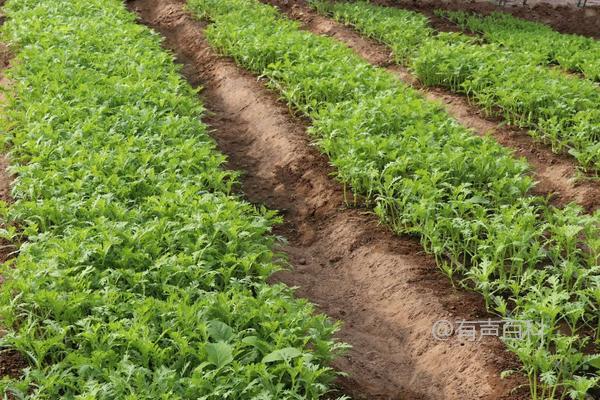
(557, 175)
(11, 363)
(564, 19)
(386, 292)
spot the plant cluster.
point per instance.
(141, 274)
(466, 197)
(572, 52)
(557, 108)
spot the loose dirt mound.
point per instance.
(386, 292)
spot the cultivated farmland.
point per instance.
(572, 52)
(557, 108)
(243, 199)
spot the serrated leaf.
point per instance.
(594, 361)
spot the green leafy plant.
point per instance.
(466, 197)
(143, 276)
(572, 52)
(559, 109)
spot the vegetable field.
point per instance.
(141, 266)
(557, 108)
(141, 275)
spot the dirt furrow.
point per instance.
(386, 292)
(557, 175)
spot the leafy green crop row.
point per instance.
(562, 110)
(573, 52)
(143, 276)
(465, 196)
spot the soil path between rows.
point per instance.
(387, 293)
(557, 175)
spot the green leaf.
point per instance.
(219, 354)
(285, 354)
(219, 331)
(257, 343)
(594, 361)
